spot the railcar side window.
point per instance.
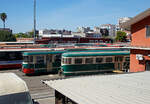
(12, 56)
(109, 59)
(48, 58)
(40, 59)
(78, 61)
(116, 59)
(68, 61)
(26, 58)
(3, 56)
(89, 60)
(119, 58)
(19, 56)
(99, 60)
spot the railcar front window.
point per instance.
(99, 60)
(89, 60)
(78, 61)
(63, 60)
(26, 58)
(109, 59)
(31, 58)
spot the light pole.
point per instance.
(34, 33)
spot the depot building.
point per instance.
(140, 43)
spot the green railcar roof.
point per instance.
(42, 53)
(70, 50)
(106, 53)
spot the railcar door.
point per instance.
(118, 62)
(39, 64)
(49, 63)
(126, 64)
(57, 61)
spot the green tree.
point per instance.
(6, 36)
(31, 34)
(121, 36)
(24, 35)
(3, 18)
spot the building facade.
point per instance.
(54, 33)
(140, 44)
(124, 19)
(83, 29)
(111, 29)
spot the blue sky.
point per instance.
(68, 14)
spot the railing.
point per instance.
(65, 45)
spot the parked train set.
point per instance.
(47, 40)
(76, 62)
(11, 52)
(10, 59)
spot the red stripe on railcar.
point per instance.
(28, 71)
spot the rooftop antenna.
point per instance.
(34, 32)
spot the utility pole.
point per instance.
(34, 20)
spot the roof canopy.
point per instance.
(139, 17)
(10, 83)
(106, 89)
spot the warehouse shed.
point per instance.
(133, 88)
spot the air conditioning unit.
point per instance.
(139, 56)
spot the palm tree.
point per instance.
(3, 18)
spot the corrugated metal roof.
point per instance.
(10, 83)
(131, 88)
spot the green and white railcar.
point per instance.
(94, 62)
(37, 62)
